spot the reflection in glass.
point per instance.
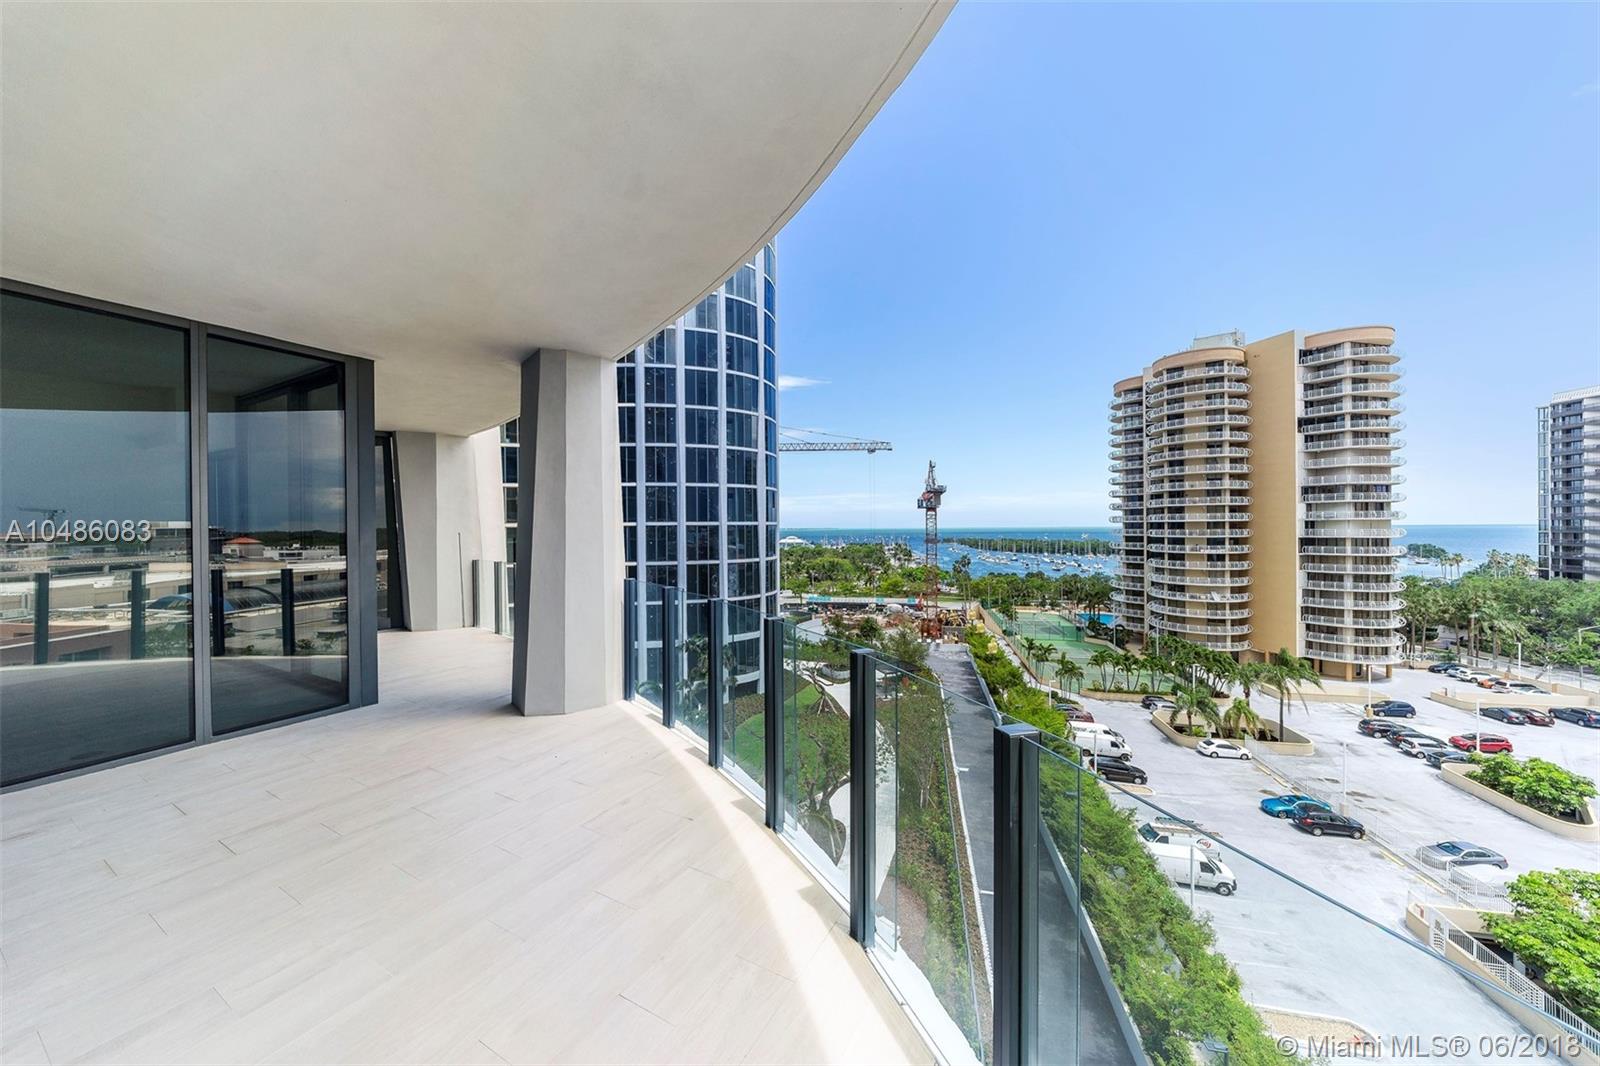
(95, 571)
(275, 435)
(391, 604)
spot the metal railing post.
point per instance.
(1016, 887)
(136, 598)
(772, 677)
(716, 683)
(286, 608)
(476, 569)
(863, 794)
(669, 657)
(41, 617)
(630, 631)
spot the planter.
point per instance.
(1294, 744)
(1470, 697)
(1116, 697)
(1589, 829)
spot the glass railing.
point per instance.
(816, 749)
(692, 666)
(744, 722)
(648, 648)
(925, 889)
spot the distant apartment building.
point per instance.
(1569, 485)
(697, 418)
(1254, 484)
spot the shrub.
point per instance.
(1535, 783)
(1554, 928)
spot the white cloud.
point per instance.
(1587, 90)
(792, 381)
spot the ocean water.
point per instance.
(1474, 542)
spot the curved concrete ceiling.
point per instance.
(442, 188)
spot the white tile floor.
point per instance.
(432, 879)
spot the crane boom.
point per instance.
(835, 446)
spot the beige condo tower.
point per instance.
(1254, 484)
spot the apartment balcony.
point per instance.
(1191, 469)
(1353, 478)
(1164, 446)
(1316, 499)
(1228, 632)
(1353, 440)
(430, 878)
(1339, 352)
(1315, 513)
(1352, 387)
(1223, 388)
(1199, 373)
(1356, 370)
(1346, 603)
(1341, 567)
(1167, 606)
(1355, 461)
(1340, 586)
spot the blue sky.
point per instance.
(1058, 195)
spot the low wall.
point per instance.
(1330, 692)
(1471, 697)
(1113, 697)
(1456, 774)
(1295, 744)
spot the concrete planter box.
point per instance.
(1330, 692)
(1295, 744)
(1589, 829)
(1471, 697)
(1114, 697)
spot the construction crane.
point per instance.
(843, 444)
(928, 504)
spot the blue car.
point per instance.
(1284, 806)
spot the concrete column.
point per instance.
(568, 600)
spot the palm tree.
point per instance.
(1240, 719)
(1195, 700)
(1286, 669)
(1247, 676)
(1068, 671)
(1129, 663)
(1102, 658)
(1043, 658)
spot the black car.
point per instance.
(1392, 709)
(1508, 715)
(1374, 727)
(1442, 668)
(1326, 823)
(1578, 716)
(1441, 756)
(1399, 733)
(1156, 703)
(1117, 770)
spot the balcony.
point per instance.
(423, 879)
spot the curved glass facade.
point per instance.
(697, 415)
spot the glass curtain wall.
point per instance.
(109, 456)
(279, 607)
(96, 572)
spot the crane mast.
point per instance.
(928, 503)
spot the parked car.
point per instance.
(1391, 709)
(1156, 703)
(1327, 823)
(1376, 727)
(1537, 716)
(1488, 682)
(1441, 668)
(1417, 747)
(1518, 686)
(1578, 716)
(1438, 757)
(1460, 853)
(1488, 743)
(1284, 806)
(1399, 733)
(1508, 715)
(1117, 770)
(1075, 713)
(1213, 748)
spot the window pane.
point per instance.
(275, 436)
(95, 650)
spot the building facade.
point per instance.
(1569, 485)
(697, 417)
(1254, 484)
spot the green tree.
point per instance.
(1068, 671)
(1286, 672)
(1102, 659)
(1240, 719)
(1542, 785)
(1554, 928)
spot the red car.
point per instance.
(1487, 743)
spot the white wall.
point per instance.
(442, 522)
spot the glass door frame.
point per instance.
(387, 474)
(361, 547)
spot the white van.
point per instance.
(1180, 862)
(1102, 746)
(1081, 729)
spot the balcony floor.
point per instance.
(431, 879)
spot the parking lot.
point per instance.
(1299, 952)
